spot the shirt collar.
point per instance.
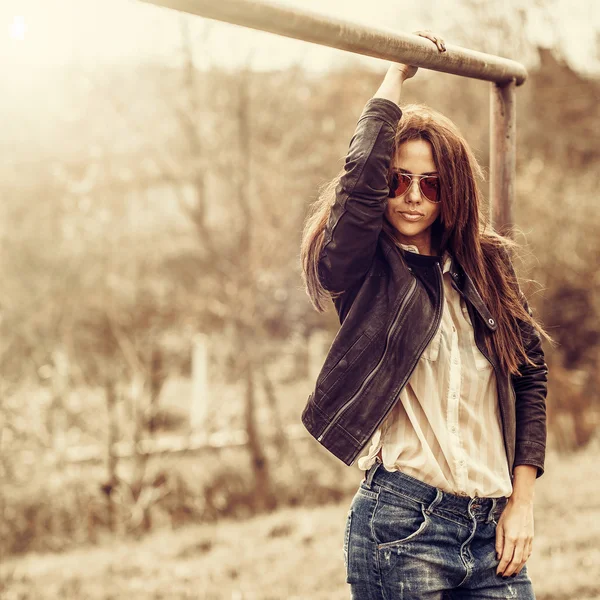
(447, 258)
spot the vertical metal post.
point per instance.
(503, 150)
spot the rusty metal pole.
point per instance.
(378, 42)
(503, 155)
(395, 46)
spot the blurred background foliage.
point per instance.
(144, 204)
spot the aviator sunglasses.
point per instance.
(428, 184)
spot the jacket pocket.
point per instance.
(345, 363)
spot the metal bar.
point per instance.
(381, 43)
(503, 150)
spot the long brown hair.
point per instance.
(462, 228)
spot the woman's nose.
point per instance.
(414, 193)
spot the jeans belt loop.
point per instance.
(490, 516)
(438, 498)
(370, 473)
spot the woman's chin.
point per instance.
(408, 229)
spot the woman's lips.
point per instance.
(411, 216)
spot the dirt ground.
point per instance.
(297, 553)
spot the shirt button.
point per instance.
(453, 429)
(462, 463)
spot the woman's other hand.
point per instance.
(408, 71)
(436, 39)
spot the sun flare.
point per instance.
(18, 28)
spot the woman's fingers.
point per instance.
(405, 71)
(408, 71)
(436, 39)
(526, 555)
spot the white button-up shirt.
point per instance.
(445, 428)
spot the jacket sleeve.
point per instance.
(355, 221)
(530, 390)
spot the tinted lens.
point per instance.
(430, 187)
(400, 184)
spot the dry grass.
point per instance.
(296, 553)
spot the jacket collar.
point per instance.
(445, 260)
(461, 280)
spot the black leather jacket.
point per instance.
(390, 311)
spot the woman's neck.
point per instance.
(423, 244)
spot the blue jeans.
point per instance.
(407, 540)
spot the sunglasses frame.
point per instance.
(412, 179)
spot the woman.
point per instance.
(438, 362)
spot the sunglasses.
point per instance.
(429, 185)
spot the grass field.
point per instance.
(297, 553)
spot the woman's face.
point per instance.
(416, 157)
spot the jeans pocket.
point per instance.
(398, 520)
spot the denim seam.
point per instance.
(396, 493)
(373, 529)
(375, 551)
(446, 518)
(347, 541)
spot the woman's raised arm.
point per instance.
(356, 217)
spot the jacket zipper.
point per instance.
(407, 298)
(423, 346)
